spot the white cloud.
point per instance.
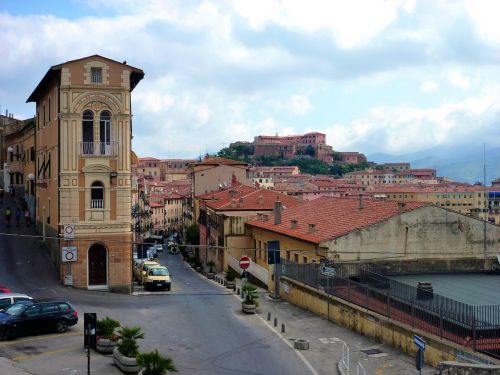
(429, 86)
(484, 14)
(300, 104)
(456, 78)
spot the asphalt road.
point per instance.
(198, 324)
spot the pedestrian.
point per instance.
(18, 216)
(27, 217)
(8, 215)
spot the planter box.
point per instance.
(105, 346)
(126, 364)
(249, 309)
(230, 285)
(210, 275)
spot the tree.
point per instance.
(193, 235)
(310, 151)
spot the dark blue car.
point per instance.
(29, 317)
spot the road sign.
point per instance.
(69, 254)
(326, 267)
(245, 262)
(419, 342)
(69, 231)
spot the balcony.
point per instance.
(98, 148)
(97, 203)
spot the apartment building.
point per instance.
(83, 170)
(149, 168)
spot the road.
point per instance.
(198, 324)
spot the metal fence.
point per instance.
(477, 327)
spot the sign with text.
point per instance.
(69, 232)
(69, 254)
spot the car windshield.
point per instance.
(158, 272)
(16, 309)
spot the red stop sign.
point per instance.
(245, 262)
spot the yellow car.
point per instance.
(142, 267)
(157, 277)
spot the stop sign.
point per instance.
(245, 262)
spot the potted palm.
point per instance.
(108, 338)
(126, 352)
(230, 277)
(210, 273)
(250, 303)
(153, 363)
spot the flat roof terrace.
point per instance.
(479, 289)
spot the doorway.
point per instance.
(98, 265)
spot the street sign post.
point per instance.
(419, 361)
(245, 262)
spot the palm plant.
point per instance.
(230, 274)
(211, 265)
(153, 363)
(107, 327)
(128, 343)
(251, 294)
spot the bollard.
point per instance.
(268, 316)
(238, 291)
(282, 327)
(275, 322)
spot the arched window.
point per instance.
(88, 133)
(105, 133)
(97, 195)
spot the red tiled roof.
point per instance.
(333, 217)
(155, 204)
(148, 158)
(246, 198)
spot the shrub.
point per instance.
(230, 274)
(211, 265)
(251, 294)
(107, 327)
(153, 363)
(128, 343)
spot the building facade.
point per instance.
(83, 152)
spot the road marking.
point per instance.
(39, 338)
(331, 340)
(30, 356)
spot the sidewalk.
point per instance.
(326, 340)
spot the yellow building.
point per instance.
(83, 152)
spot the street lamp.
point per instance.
(31, 179)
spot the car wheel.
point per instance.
(62, 326)
(4, 333)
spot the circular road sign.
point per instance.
(245, 262)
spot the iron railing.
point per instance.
(477, 327)
(98, 148)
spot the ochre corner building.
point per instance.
(83, 168)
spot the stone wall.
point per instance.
(456, 368)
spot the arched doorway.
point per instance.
(98, 265)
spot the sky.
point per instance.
(393, 76)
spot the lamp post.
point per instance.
(7, 174)
(30, 199)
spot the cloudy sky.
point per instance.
(376, 76)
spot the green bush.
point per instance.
(128, 343)
(211, 265)
(153, 363)
(251, 294)
(230, 274)
(107, 327)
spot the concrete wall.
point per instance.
(369, 323)
(426, 233)
(456, 368)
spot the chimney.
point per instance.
(401, 207)
(259, 217)
(360, 201)
(312, 228)
(293, 224)
(240, 203)
(233, 203)
(232, 193)
(277, 212)
(265, 217)
(260, 199)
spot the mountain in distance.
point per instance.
(460, 163)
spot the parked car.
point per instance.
(7, 299)
(141, 268)
(4, 289)
(27, 317)
(157, 277)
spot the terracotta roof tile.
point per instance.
(333, 217)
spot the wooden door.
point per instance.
(97, 265)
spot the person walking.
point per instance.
(8, 215)
(27, 217)
(18, 216)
